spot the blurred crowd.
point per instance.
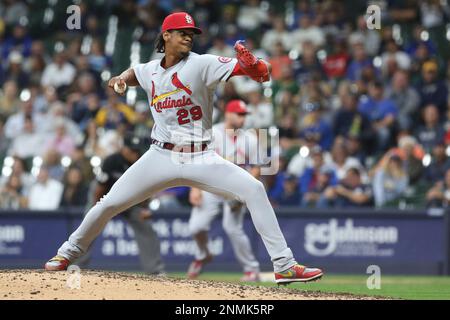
(363, 115)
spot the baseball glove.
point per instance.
(245, 57)
(252, 66)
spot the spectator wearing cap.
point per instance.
(315, 179)
(46, 193)
(350, 192)
(390, 181)
(314, 127)
(15, 71)
(439, 164)
(405, 97)
(431, 132)
(381, 112)
(115, 113)
(439, 195)
(431, 89)
(290, 195)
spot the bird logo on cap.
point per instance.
(188, 19)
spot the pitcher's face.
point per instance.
(180, 41)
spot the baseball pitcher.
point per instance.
(180, 89)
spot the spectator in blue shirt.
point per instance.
(325, 179)
(431, 89)
(316, 128)
(381, 112)
(316, 179)
(360, 61)
(290, 195)
(349, 122)
(18, 41)
(350, 192)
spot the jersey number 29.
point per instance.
(183, 115)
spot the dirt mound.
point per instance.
(41, 285)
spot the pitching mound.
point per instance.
(33, 284)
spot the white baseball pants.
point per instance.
(159, 169)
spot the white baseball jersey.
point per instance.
(238, 146)
(181, 97)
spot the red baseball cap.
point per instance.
(180, 20)
(236, 106)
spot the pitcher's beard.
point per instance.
(184, 54)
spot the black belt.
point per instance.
(193, 147)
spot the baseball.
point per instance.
(118, 89)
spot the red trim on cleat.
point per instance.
(298, 273)
(57, 263)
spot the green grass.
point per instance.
(403, 287)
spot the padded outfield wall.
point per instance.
(340, 241)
